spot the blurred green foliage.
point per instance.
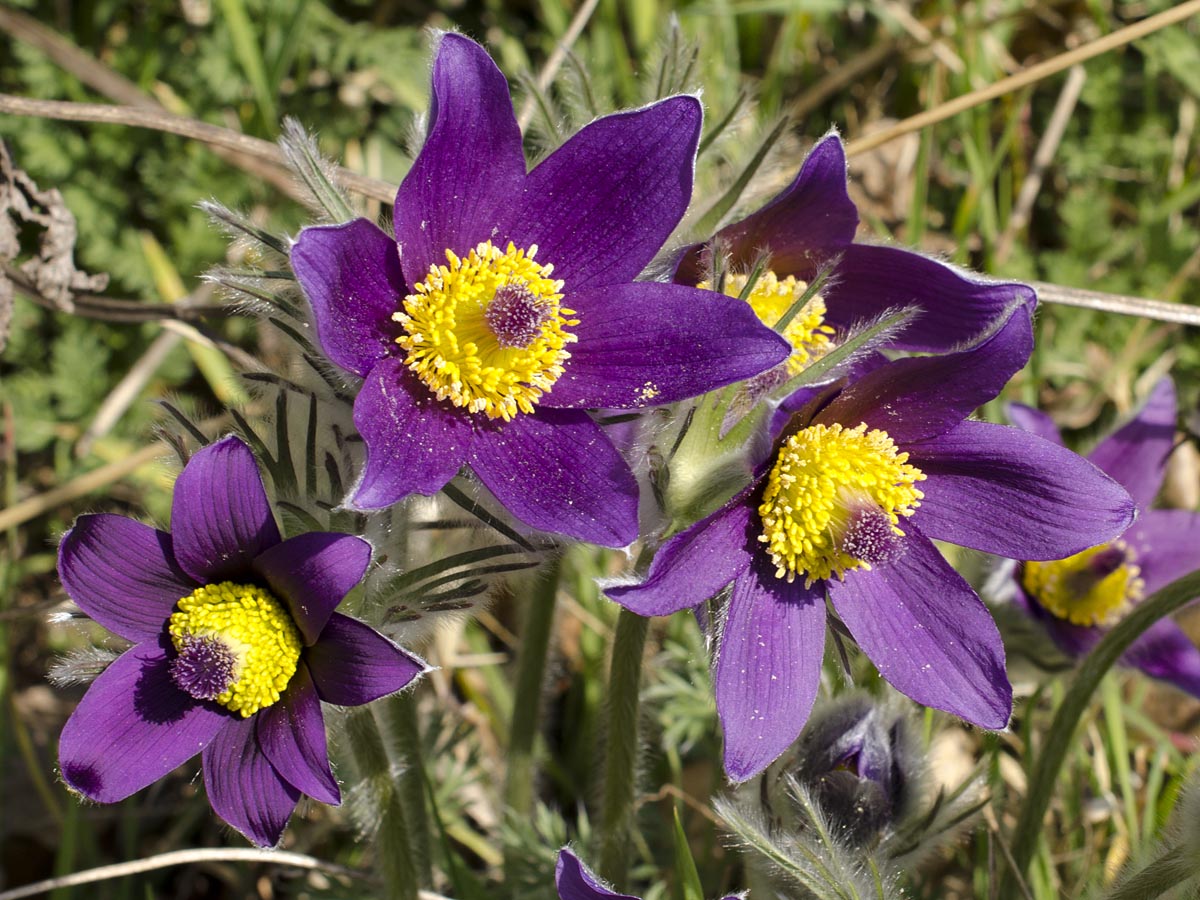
(1119, 211)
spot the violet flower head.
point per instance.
(858, 484)
(236, 642)
(810, 226)
(505, 306)
(575, 881)
(1079, 598)
(855, 758)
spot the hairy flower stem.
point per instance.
(397, 716)
(393, 848)
(526, 717)
(621, 744)
(1166, 871)
(1058, 739)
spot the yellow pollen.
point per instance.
(498, 364)
(770, 299)
(834, 496)
(256, 629)
(1095, 587)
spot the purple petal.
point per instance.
(1167, 544)
(123, 574)
(557, 471)
(928, 633)
(470, 166)
(244, 788)
(642, 344)
(921, 397)
(1004, 491)
(1034, 421)
(353, 664)
(1165, 651)
(811, 221)
(604, 202)
(312, 573)
(694, 564)
(955, 305)
(576, 882)
(768, 668)
(1136, 454)
(351, 276)
(133, 727)
(220, 517)
(292, 735)
(415, 443)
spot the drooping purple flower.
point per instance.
(575, 881)
(810, 226)
(1079, 598)
(855, 758)
(236, 642)
(505, 306)
(845, 509)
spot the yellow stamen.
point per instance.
(487, 332)
(833, 501)
(1095, 587)
(254, 628)
(770, 299)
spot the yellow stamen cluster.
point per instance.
(770, 299)
(826, 481)
(1095, 587)
(256, 629)
(458, 354)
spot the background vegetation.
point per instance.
(1117, 209)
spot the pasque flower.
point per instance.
(810, 225)
(1078, 598)
(236, 642)
(505, 306)
(844, 509)
(576, 882)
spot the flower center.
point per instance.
(487, 332)
(236, 645)
(1095, 587)
(833, 501)
(770, 299)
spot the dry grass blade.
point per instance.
(161, 120)
(1030, 76)
(546, 75)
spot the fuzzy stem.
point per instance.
(1058, 739)
(398, 720)
(527, 705)
(621, 744)
(393, 849)
(1166, 871)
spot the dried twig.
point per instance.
(1030, 76)
(1042, 158)
(1159, 310)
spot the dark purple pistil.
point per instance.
(204, 668)
(1099, 567)
(516, 315)
(869, 537)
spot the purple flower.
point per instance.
(576, 882)
(858, 483)
(810, 225)
(1077, 599)
(235, 645)
(506, 306)
(857, 760)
